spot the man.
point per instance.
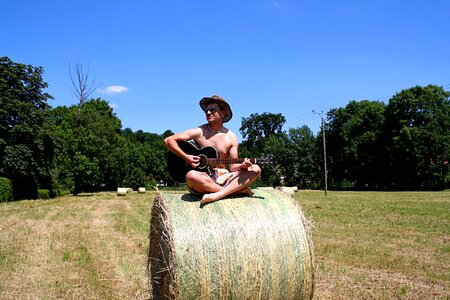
(221, 182)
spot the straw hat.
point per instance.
(221, 102)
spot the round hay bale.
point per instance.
(256, 247)
(141, 190)
(294, 188)
(121, 191)
(287, 190)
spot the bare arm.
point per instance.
(234, 154)
(171, 143)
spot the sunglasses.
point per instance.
(212, 110)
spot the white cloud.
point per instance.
(114, 89)
(113, 105)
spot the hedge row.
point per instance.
(6, 191)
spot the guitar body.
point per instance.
(178, 168)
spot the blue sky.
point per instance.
(156, 59)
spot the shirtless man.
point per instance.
(223, 182)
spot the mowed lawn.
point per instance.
(368, 245)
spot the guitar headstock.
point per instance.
(263, 160)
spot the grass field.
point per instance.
(367, 246)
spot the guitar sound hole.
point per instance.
(203, 162)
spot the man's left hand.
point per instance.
(246, 163)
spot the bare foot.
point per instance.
(207, 198)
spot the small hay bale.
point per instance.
(295, 188)
(121, 191)
(256, 247)
(287, 190)
(129, 190)
(141, 190)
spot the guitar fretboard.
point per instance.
(226, 161)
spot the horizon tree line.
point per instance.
(371, 145)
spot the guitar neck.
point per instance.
(227, 161)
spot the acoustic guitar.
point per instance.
(178, 168)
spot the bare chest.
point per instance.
(219, 141)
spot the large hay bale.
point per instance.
(238, 248)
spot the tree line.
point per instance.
(45, 151)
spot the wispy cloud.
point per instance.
(275, 3)
(113, 89)
(113, 105)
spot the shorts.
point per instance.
(220, 176)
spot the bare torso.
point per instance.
(222, 141)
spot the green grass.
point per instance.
(367, 246)
(381, 245)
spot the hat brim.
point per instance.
(222, 103)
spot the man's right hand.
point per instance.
(193, 160)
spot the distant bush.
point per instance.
(6, 190)
(58, 189)
(59, 192)
(43, 194)
(64, 192)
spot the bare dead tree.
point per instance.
(82, 84)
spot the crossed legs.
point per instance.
(202, 183)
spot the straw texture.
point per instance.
(121, 191)
(238, 248)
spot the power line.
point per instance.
(302, 118)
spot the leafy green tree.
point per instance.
(277, 148)
(354, 151)
(302, 166)
(26, 142)
(259, 132)
(135, 166)
(293, 157)
(417, 137)
(147, 159)
(259, 127)
(89, 144)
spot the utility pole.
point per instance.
(324, 151)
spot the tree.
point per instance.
(26, 142)
(90, 149)
(82, 84)
(302, 164)
(257, 131)
(417, 137)
(293, 157)
(137, 161)
(147, 161)
(355, 151)
(257, 128)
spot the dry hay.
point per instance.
(121, 191)
(294, 188)
(287, 190)
(141, 190)
(238, 248)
